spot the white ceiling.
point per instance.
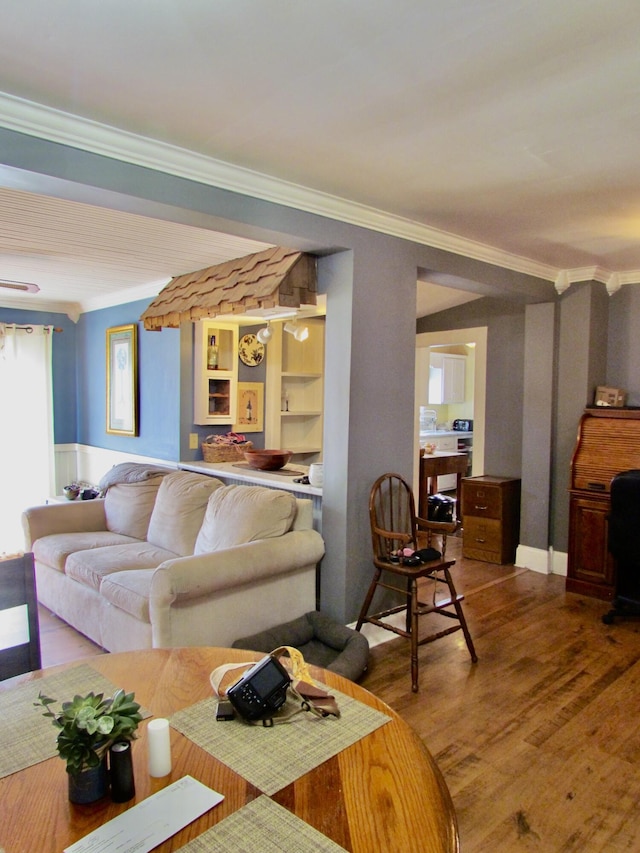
(507, 130)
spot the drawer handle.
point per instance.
(480, 507)
(480, 540)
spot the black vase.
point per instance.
(89, 785)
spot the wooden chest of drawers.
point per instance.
(491, 513)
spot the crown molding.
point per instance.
(57, 126)
(612, 280)
(64, 128)
(71, 309)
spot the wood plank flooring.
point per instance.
(539, 742)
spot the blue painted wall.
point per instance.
(159, 384)
(165, 371)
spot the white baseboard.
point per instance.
(548, 562)
(376, 635)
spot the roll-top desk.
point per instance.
(608, 443)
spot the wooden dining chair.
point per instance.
(394, 527)
(19, 624)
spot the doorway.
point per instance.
(476, 340)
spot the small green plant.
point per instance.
(90, 724)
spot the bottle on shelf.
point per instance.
(212, 354)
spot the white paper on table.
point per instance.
(149, 823)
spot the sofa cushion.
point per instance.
(179, 509)
(90, 567)
(129, 591)
(239, 514)
(53, 550)
(128, 507)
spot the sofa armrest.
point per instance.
(204, 575)
(71, 517)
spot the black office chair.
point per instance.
(19, 625)
(395, 526)
(624, 545)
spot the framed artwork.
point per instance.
(250, 414)
(122, 380)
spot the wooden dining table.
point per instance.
(382, 793)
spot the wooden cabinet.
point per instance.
(591, 566)
(608, 443)
(215, 388)
(446, 378)
(491, 512)
(295, 391)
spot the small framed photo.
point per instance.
(122, 380)
(250, 413)
(605, 396)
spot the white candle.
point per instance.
(159, 747)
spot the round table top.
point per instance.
(384, 792)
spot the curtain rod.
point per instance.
(29, 329)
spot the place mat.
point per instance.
(27, 737)
(271, 758)
(262, 826)
(283, 472)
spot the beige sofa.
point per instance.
(175, 559)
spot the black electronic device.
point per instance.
(463, 425)
(440, 507)
(261, 691)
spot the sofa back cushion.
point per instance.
(239, 514)
(128, 507)
(179, 510)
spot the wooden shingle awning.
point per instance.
(274, 278)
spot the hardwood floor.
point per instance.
(539, 742)
(61, 644)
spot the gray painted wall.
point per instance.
(582, 361)
(537, 424)
(623, 343)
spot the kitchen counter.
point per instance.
(273, 479)
(446, 433)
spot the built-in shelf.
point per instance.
(295, 382)
(215, 388)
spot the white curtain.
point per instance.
(26, 427)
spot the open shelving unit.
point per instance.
(295, 381)
(214, 393)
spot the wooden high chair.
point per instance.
(395, 526)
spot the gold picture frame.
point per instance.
(122, 380)
(250, 408)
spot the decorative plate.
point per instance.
(250, 350)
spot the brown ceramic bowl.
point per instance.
(267, 460)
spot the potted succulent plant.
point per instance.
(88, 726)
